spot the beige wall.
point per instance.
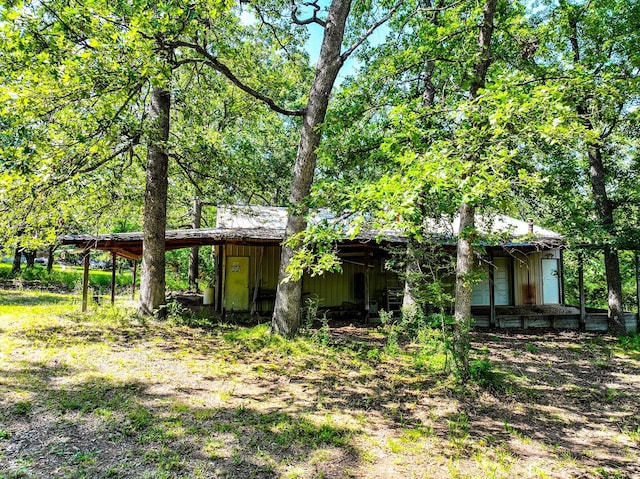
(332, 289)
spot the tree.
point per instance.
(152, 282)
(592, 52)
(98, 64)
(451, 117)
(286, 316)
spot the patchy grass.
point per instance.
(62, 277)
(106, 395)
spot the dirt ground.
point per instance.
(118, 400)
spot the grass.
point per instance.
(107, 395)
(69, 277)
(65, 277)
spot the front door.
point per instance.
(237, 283)
(550, 282)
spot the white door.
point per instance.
(550, 282)
(501, 281)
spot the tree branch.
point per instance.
(372, 29)
(308, 21)
(220, 67)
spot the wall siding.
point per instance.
(332, 289)
(527, 270)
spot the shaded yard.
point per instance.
(107, 396)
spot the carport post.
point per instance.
(637, 261)
(583, 310)
(114, 258)
(85, 282)
(133, 282)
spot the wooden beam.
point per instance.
(258, 280)
(194, 251)
(561, 268)
(114, 260)
(223, 286)
(133, 281)
(637, 262)
(85, 283)
(583, 307)
(366, 285)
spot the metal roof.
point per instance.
(263, 225)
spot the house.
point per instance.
(523, 274)
(524, 271)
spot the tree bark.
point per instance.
(50, 252)
(194, 251)
(463, 289)
(603, 204)
(464, 246)
(30, 256)
(605, 210)
(412, 268)
(286, 314)
(17, 258)
(152, 280)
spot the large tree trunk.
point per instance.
(463, 289)
(605, 209)
(194, 252)
(152, 280)
(412, 269)
(464, 247)
(603, 205)
(286, 314)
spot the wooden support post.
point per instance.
(133, 280)
(216, 254)
(258, 280)
(561, 273)
(637, 261)
(583, 307)
(492, 292)
(85, 283)
(114, 260)
(223, 286)
(194, 250)
(366, 285)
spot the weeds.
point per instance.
(630, 342)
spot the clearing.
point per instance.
(105, 395)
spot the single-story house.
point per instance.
(523, 285)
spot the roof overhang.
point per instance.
(129, 245)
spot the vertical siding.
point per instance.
(269, 271)
(528, 274)
(334, 289)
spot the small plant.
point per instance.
(323, 335)
(392, 348)
(22, 408)
(310, 314)
(531, 348)
(631, 342)
(386, 317)
(177, 313)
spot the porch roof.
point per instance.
(262, 226)
(129, 245)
